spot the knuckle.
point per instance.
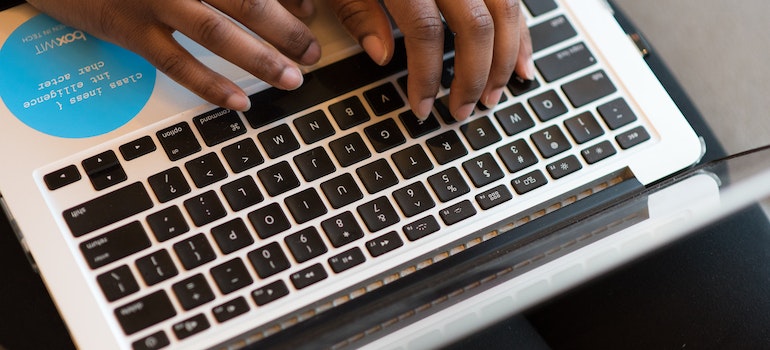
(211, 28)
(173, 65)
(480, 22)
(351, 12)
(428, 27)
(254, 7)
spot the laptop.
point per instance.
(328, 216)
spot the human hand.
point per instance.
(492, 41)
(146, 27)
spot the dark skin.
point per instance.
(492, 41)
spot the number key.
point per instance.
(306, 244)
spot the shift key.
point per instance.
(107, 209)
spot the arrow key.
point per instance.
(62, 177)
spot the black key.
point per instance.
(412, 161)
(589, 88)
(446, 147)
(377, 176)
(137, 148)
(341, 191)
(194, 251)
(480, 133)
(480, 106)
(347, 260)
(539, 7)
(565, 62)
(384, 135)
(205, 208)
(457, 212)
(416, 127)
(342, 229)
(529, 182)
(242, 193)
(349, 113)
(107, 209)
(168, 185)
(350, 149)
(632, 137)
(230, 309)
(269, 221)
(384, 244)
(219, 125)
(378, 214)
(269, 260)
(311, 275)
(314, 127)
(305, 205)
(413, 199)
(115, 245)
(231, 276)
(167, 223)
(242, 155)
(232, 236)
(442, 107)
(564, 167)
(154, 341)
(493, 197)
(616, 113)
(547, 105)
(550, 32)
(583, 127)
(517, 155)
(278, 141)
(62, 177)
(118, 283)
(421, 228)
(598, 152)
(145, 312)
(520, 86)
(193, 292)
(305, 245)
(483, 170)
(448, 72)
(550, 141)
(270, 293)
(206, 170)
(448, 184)
(191, 326)
(278, 178)
(384, 99)
(104, 170)
(514, 119)
(178, 141)
(314, 164)
(156, 267)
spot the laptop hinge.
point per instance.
(4, 210)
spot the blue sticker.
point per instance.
(66, 83)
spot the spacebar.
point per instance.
(107, 209)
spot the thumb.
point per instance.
(368, 23)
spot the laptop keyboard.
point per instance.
(247, 209)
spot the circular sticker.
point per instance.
(63, 82)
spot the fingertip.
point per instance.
(238, 101)
(422, 110)
(312, 54)
(376, 48)
(464, 111)
(291, 78)
(491, 99)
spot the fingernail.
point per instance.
(312, 54)
(376, 49)
(423, 109)
(238, 102)
(529, 70)
(464, 111)
(493, 98)
(290, 79)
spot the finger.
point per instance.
(226, 39)
(420, 22)
(299, 8)
(276, 25)
(173, 60)
(505, 14)
(367, 22)
(474, 42)
(525, 66)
